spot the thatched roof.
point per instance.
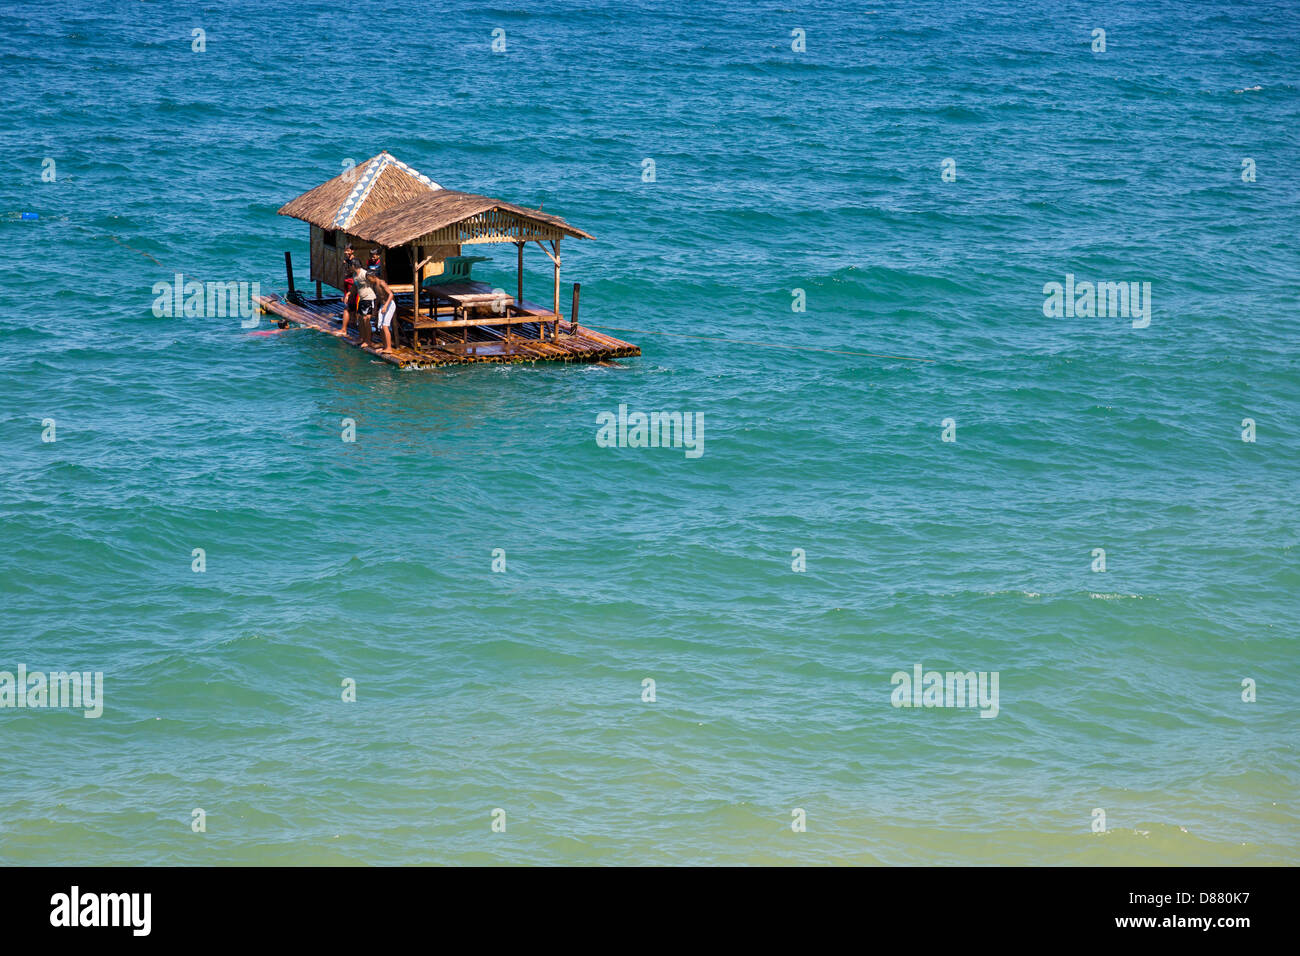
(386, 202)
(368, 188)
(460, 217)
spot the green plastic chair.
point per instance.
(455, 269)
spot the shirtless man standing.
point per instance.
(387, 308)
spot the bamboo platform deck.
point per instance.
(485, 343)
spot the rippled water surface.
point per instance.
(776, 171)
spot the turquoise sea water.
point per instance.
(776, 171)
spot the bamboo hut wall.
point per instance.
(327, 261)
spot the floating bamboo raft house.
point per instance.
(419, 230)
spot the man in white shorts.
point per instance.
(387, 304)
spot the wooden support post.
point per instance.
(318, 295)
(520, 297)
(288, 268)
(415, 283)
(573, 313)
(555, 307)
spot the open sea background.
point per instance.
(776, 170)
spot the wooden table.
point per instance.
(469, 296)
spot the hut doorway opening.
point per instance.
(397, 263)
